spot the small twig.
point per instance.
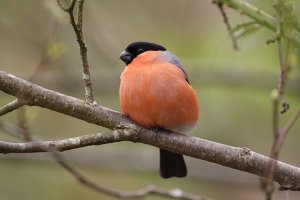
(283, 69)
(140, 193)
(281, 134)
(77, 27)
(289, 124)
(79, 16)
(268, 181)
(11, 107)
(226, 21)
(23, 125)
(278, 141)
(282, 79)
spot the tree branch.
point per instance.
(11, 107)
(238, 158)
(227, 24)
(125, 130)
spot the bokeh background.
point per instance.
(233, 88)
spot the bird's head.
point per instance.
(136, 48)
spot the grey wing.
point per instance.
(171, 58)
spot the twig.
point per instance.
(268, 181)
(283, 72)
(140, 193)
(289, 125)
(79, 16)
(278, 141)
(77, 27)
(281, 134)
(11, 107)
(23, 125)
(226, 21)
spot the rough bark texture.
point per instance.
(125, 130)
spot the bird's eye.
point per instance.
(139, 51)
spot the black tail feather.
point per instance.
(172, 165)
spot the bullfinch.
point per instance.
(155, 93)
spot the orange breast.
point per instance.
(155, 94)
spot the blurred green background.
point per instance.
(233, 88)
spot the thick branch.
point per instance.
(238, 158)
(39, 96)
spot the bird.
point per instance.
(155, 93)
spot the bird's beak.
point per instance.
(126, 57)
